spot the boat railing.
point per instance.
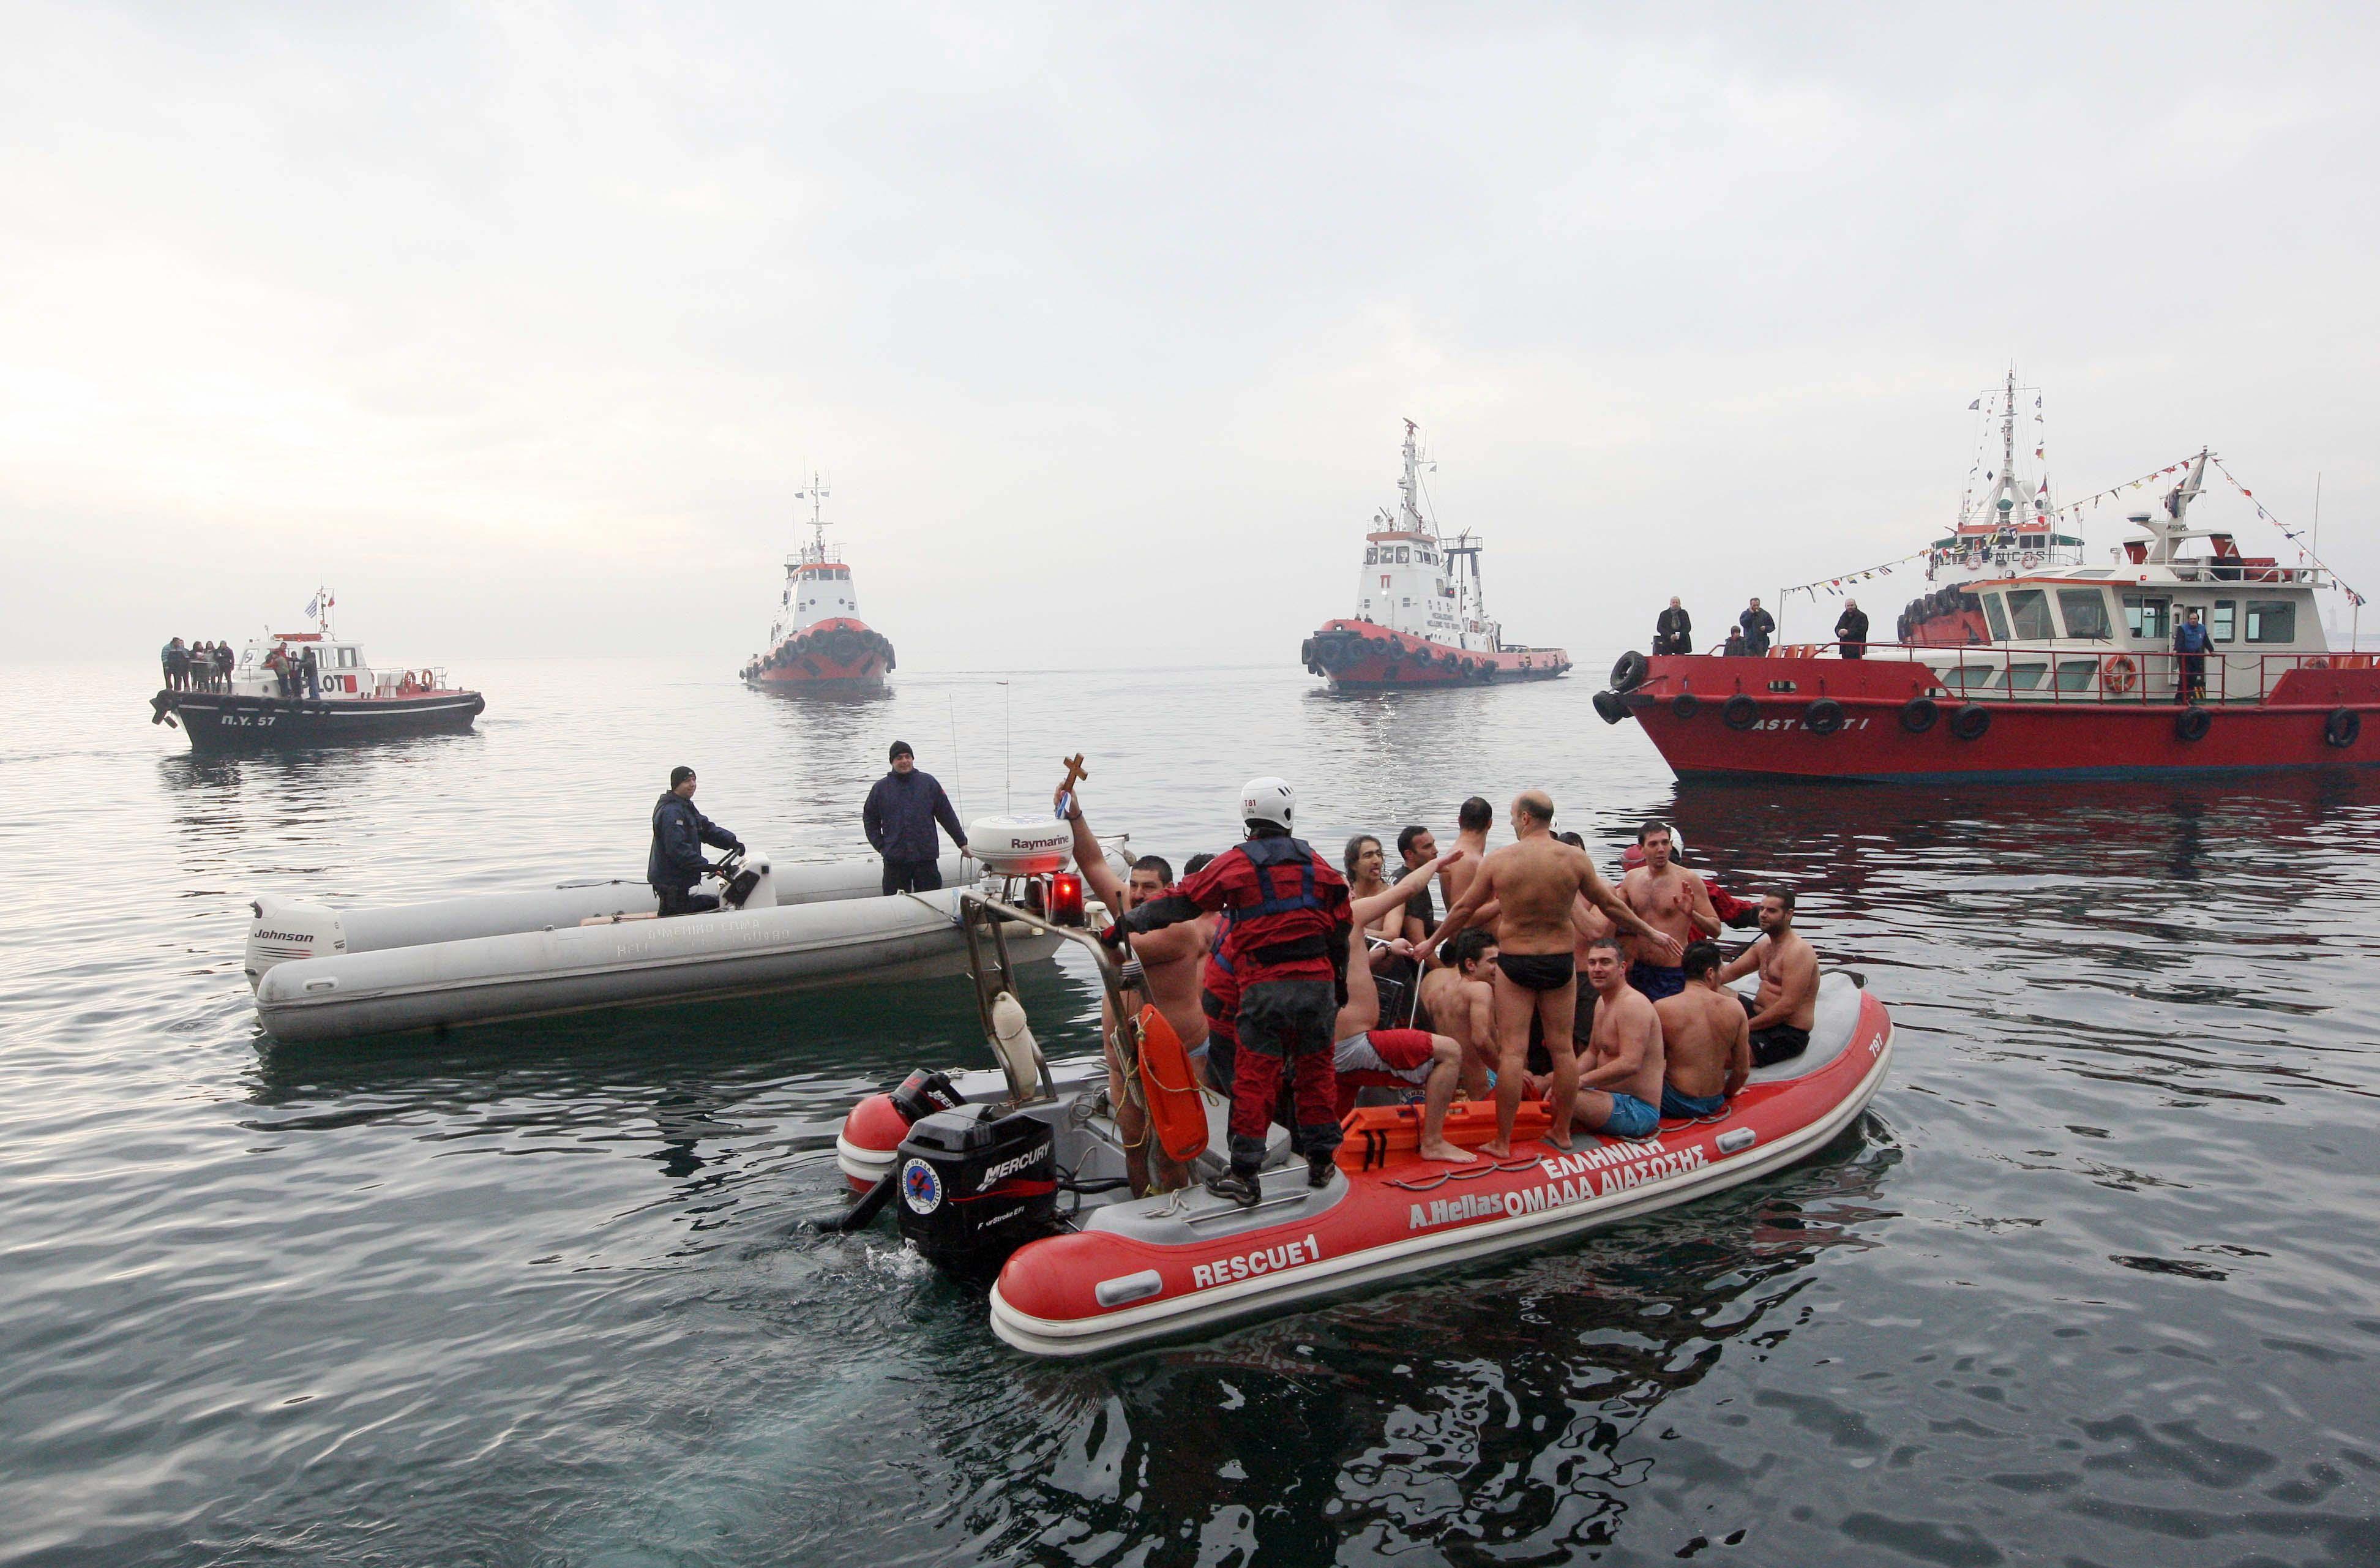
(1987, 673)
(985, 920)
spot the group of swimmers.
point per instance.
(1267, 961)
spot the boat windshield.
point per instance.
(2029, 613)
(2085, 611)
(1996, 617)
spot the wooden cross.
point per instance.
(1075, 771)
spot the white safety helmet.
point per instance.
(1268, 799)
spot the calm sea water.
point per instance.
(2093, 1284)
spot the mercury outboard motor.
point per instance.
(976, 1184)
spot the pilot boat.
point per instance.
(2037, 666)
(1018, 1173)
(356, 700)
(820, 645)
(1420, 615)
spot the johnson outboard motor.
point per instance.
(977, 1183)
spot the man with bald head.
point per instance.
(1534, 881)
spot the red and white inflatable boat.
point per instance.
(1022, 1171)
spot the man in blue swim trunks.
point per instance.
(1673, 901)
(1706, 1040)
(1620, 1084)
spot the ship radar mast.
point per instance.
(816, 495)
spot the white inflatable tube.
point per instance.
(570, 968)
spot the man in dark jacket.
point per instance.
(310, 670)
(1674, 631)
(1759, 627)
(1850, 631)
(900, 816)
(676, 864)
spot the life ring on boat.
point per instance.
(1611, 707)
(1917, 714)
(2191, 724)
(2119, 674)
(1823, 717)
(2340, 730)
(1629, 672)
(1740, 712)
(1171, 1087)
(2029, 560)
(1970, 721)
(1685, 705)
(1971, 561)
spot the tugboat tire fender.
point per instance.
(1610, 708)
(1823, 717)
(1740, 712)
(1629, 672)
(2343, 728)
(1970, 720)
(2191, 724)
(1917, 714)
(1685, 705)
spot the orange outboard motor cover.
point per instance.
(1172, 1085)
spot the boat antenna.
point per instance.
(1007, 761)
(955, 763)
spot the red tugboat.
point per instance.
(825, 648)
(2048, 671)
(1421, 618)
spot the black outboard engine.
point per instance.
(977, 1184)
(922, 1093)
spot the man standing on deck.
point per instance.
(1286, 940)
(900, 816)
(1172, 962)
(1850, 631)
(1787, 1003)
(1672, 901)
(1673, 629)
(1759, 626)
(675, 865)
(1471, 825)
(1534, 881)
(2190, 642)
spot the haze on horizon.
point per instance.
(520, 326)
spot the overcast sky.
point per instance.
(520, 325)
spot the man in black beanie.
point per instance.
(900, 816)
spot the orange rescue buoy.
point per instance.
(1171, 1085)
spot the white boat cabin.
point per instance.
(2107, 632)
(1413, 581)
(343, 673)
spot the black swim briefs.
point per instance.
(1777, 1042)
(1537, 971)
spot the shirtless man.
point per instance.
(1172, 964)
(1471, 825)
(1460, 998)
(1706, 1039)
(1788, 1004)
(1673, 900)
(1534, 881)
(1365, 1055)
(1621, 1083)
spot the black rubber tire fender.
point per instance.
(842, 646)
(1685, 705)
(2191, 724)
(1969, 720)
(1919, 713)
(1610, 707)
(1629, 671)
(2342, 729)
(1740, 712)
(1823, 717)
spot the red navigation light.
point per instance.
(1066, 899)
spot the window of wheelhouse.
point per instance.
(347, 658)
(2029, 613)
(2085, 611)
(1405, 554)
(2147, 618)
(2223, 624)
(1372, 556)
(1995, 617)
(2272, 620)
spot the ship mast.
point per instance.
(1410, 486)
(816, 495)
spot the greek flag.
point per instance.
(313, 606)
